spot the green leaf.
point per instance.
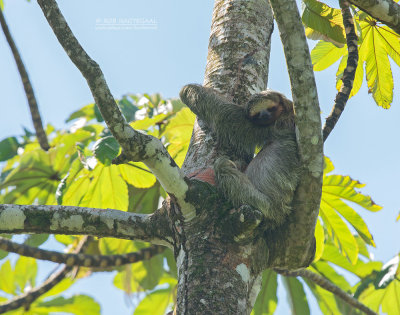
(106, 189)
(339, 231)
(59, 288)
(319, 240)
(8, 148)
(352, 217)
(106, 149)
(325, 270)
(127, 109)
(112, 246)
(387, 298)
(344, 187)
(35, 179)
(155, 303)
(144, 200)
(326, 300)
(7, 278)
(141, 275)
(36, 240)
(335, 189)
(173, 270)
(360, 268)
(178, 134)
(323, 22)
(76, 187)
(391, 42)
(3, 253)
(78, 305)
(137, 174)
(146, 123)
(379, 74)
(66, 149)
(296, 296)
(267, 300)
(177, 104)
(389, 272)
(25, 272)
(325, 54)
(154, 271)
(87, 112)
(358, 78)
(328, 165)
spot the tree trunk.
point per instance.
(217, 273)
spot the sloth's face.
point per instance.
(264, 111)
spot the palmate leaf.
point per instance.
(34, 180)
(333, 209)
(323, 22)
(376, 44)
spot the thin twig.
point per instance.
(81, 259)
(30, 95)
(329, 286)
(29, 297)
(349, 72)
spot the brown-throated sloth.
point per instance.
(267, 120)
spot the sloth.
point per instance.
(267, 120)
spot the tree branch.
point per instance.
(385, 11)
(136, 146)
(152, 228)
(30, 95)
(295, 245)
(29, 297)
(329, 286)
(348, 73)
(83, 260)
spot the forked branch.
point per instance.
(136, 146)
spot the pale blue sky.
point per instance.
(364, 144)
